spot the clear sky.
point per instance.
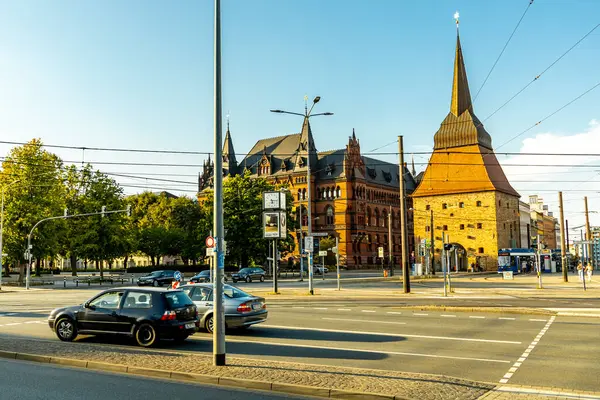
(139, 74)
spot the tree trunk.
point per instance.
(152, 261)
(38, 267)
(194, 262)
(73, 261)
(125, 262)
(110, 264)
(85, 264)
(99, 264)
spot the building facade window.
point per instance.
(445, 227)
(444, 206)
(478, 204)
(461, 205)
(428, 207)
(329, 216)
(427, 228)
(479, 225)
(462, 227)
(480, 250)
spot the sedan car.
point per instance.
(248, 275)
(157, 278)
(147, 315)
(242, 309)
(203, 276)
(319, 269)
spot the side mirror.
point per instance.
(88, 305)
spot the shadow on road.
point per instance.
(309, 335)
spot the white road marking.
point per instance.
(394, 312)
(13, 324)
(538, 320)
(528, 351)
(372, 351)
(344, 309)
(476, 316)
(420, 314)
(371, 311)
(292, 307)
(363, 320)
(319, 308)
(460, 339)
(507, 318)
(448, 316)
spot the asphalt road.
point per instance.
(559, 352)
(33, 381)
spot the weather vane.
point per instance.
(456, 15)
(228, 119)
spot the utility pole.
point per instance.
(311, 289)
(432, 257)
(390, 248)
(539, 263)
(568, 243)
(588, 233)
(337, 259)
(444, 266)
(403, 230)
(301, 244)
(563, 253)
(275, 267)
(218, 310)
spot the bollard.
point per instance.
(65, 281)
(89, 281)
(132, 279)
(77, 282)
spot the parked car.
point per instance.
(242, 309)
(203, 276)
(147, 315)
(157, 278)
(248, 275)
(319, 269)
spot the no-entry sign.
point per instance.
(210, 242)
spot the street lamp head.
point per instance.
(316, 100)
(328, 113)
(277, 111)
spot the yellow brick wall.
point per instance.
(490, 237)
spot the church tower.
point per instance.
(464, 187)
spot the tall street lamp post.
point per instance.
(307, 114)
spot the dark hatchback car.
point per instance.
(147, 315)
(249, 275)
(157, 278)
(203, 277)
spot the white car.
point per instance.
(319, 269)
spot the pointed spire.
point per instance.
(461, 97)
(229, 161)
(353, 134)
(306, 145)
(414, 171)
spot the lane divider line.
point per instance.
(526, 353)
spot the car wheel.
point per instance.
(145, 335)
(234, 280)
(248, 279)
(209, 324)
(262, 278)
(155, 284)
(66, 329)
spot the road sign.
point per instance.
(309, 244)
(177, 275)
(380, 250)
(507, 275)
(323, 253)
(210, 242)
(210, 251)
(320, 234)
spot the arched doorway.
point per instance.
(458, 258)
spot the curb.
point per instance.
(498, 310)
(314, 391)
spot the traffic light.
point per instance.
(447, 246)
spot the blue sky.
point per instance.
(139, 74)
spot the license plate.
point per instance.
(190, 326)
(256, 306)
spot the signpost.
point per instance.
(274, 224)
(380, 252)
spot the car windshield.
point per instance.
(234, 293)
(156, 273)
(244, 270)
(178, 299)
(204, 273)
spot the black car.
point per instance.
(147, 315)
(203, 277)
(157, 278)
(249, 274)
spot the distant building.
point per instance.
(525, 224)
(464, 187)
(547, 227)
(353, 196)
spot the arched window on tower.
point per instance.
(368, 216)
(385, 219)
(338, 192)
(376, 222)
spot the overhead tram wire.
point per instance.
(503, 49)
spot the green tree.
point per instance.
(186, 216)
(32, 180)
(326, 244)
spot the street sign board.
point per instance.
(309, 244)
(210, 251)
(507, 275)
(177, 275)
(319, 234)
(271, 225)
(282, 225)
(274, 200)
(210, 242)
(380, 251)
(323, 253)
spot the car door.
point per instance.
(202, 298)
(256, 273)
(167, 277)
(137, 305)
(101, 313)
